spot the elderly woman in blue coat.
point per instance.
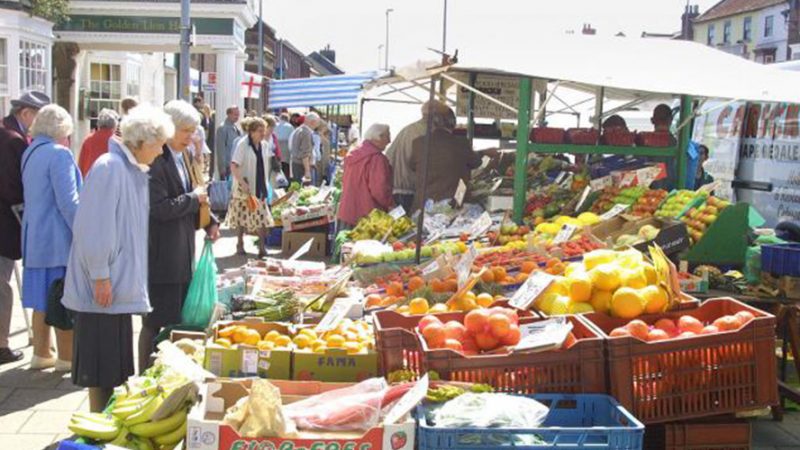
(106, 280)
(51, 182)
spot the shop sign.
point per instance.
(208, 81)
(503, 89)
(144, 24)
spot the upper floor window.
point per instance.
(747, 29)
(768, 25)
(710, 36)
(726, 32)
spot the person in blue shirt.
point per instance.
(51, 182)
(106, 279)
(283, 130)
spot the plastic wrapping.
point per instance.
(202, 295)
(490, 411)
(352, 408)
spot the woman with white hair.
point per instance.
(367, 179)
(51, 182)
(97, 143)
(106, 280)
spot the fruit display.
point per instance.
(648, 203)
(509, 232)
(605, 201)
(547, 203)
(482, 330)
(234, 335)
(646, 233)
(544, 232)
(576, 246)
(146, 412)
(685, 327)
(407, 252)
(676, 202)
(699, 219)
(629, 195)
(620, 283)
(302, 203)
(378, 224)
(354, 336)
(509, 259)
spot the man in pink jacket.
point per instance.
(367, 180)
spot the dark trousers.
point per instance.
(404, 200)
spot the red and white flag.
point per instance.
(251, 85)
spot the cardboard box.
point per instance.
(292, 241)
(335, 365)
(247, 360)
(314, 217)
(693, 284)
(672, 236)
(231, 284)
(205, 430)
(790, 286)
(500, 203)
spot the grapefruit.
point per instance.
(655, 298)
(427, 320)
(634, 278)
(513, 336)
(619, 332)
(499, 325)
(627, 303)
(434, 335)
(745, 316)
(486, 341)
(606, 277)
(601, 300)
(580, 287)
(727, 323)
(454, 330)
(453, 344)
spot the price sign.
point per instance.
(545, 335)
(407, 402)
(583, 198)
(302, 250)
(321, 195)
(481, 225)
(601, 183)
(628, 179)
(566, 181)
(614, 211)
(560, 177)
(398, 212)
(433, 237)
(496, 184)
(531, 290)
(566, 232)
(464, 265)
(461, 191)
(334, 316)
(250, 361)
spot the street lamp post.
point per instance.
(380, 48)
(386, 46)
(444, 28)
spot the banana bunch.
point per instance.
(148, 413)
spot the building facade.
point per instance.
(26, 45)
(252, 63)
(290, 62)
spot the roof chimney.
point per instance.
(588, 30)
(328, 53)
(690, 12)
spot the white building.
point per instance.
(772, 40)
(25, 53)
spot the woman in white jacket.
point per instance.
(250, 165)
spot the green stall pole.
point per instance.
(684, 134)
(521, 165)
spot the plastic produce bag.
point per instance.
(356, 407)
(202, 295)
(490, 411)
(259, 414)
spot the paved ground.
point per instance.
(35, 406)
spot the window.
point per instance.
(32, 66)
(747, 32)
(104, 88)
(133, 77)
(710, 37)
(768, 22)
(726, 32)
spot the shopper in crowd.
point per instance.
(283, 130)
(250, 166)
(316, 158)
(126, 105)
(352, 133)
(451, 159)
(301, 146)
(51, 182)
(399, 154)
(323, 165)
(275, 166)
(176, 200)
(224, 143)
(13, 142)
(200, 105)
(106, 279)
(614, 122)
(296, 119)
(701, 177)
(662, 118)
(367, 180)
(97, 143)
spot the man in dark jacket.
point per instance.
(176, 202)
(13, 141)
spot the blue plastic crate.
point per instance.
(274, 237)
(781, 259)
(72, 445)
(575, 422)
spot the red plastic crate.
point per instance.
(654, 139)
(547, 135)
(582, 136)
(701, 376)
(619, 138)
(719, 434)
(578, 370)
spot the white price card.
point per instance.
(461, 191)
(565, 233)
(302, 250)
(481, 225)
(334, 316)
(614, 211)
(408, 402)
(560, 177)
(533, 287)
(583, 198)
(601, 183)
(464, 265)
(496, 184)
(249, 361)
(433, 237)
(543, 335)
(397, 212)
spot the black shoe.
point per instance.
(7, 355)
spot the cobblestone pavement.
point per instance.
(35, 406)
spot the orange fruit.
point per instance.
(415, 283)
(512, 337)
(250, 337)
(745, 316)
(484, 300)
(666, 325)
(373, 300)
(395, 288)
(638, 329)
(709, 329)
(621, 331)
(438, 308)
(521, 277)
(453, 344)
(486, 341)
(487, 276)
(335, 341)
(283, 341)
(727, 323)
(476, 321)
(451, 285)
(227, 331)
(418, 306)
(689, 323)
(499, 325)
(527, 267)
(499, 273)
(434, 335)
(657, 334)
(437, 285)
(454, 330)
(427, 320)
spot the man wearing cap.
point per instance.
(13, 142)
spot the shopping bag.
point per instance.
(219, 194)
(202, 295)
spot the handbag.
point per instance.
(219, 194)
(56, 314)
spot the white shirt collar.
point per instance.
(132, 159)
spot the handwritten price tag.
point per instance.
(566, 232)
(302, 250)
(615, 211)
(464, 265)
(398, 212)
(481, 225)
(584, 195)
(334, 316)
(531, 290)
(600, 183)
(461, 191)
(408, 401)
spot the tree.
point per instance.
(56, 11)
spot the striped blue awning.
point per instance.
(319, 91)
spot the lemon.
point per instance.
(560, 285)
(335, 341)
(627, 303)
(320, 349)
(561, 306)
(438, 308)
(605, 277)
(656, 299)
(302, 340)
(224, 342)
(580, 287)
(282, 341)
(318, 343)
(574, 268)
(630, 258)
(272, 335)
(265, 345)
(309, 332)
(588, 218)
(352, 348)
(634, 278)
(545, 302)
(580, 308)
(650, 273)
(601, 300)
(598, 257)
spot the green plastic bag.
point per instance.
(202, 295)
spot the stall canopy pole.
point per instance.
(521, 165)
(683, 140)
(424, 188)
(471, 109)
